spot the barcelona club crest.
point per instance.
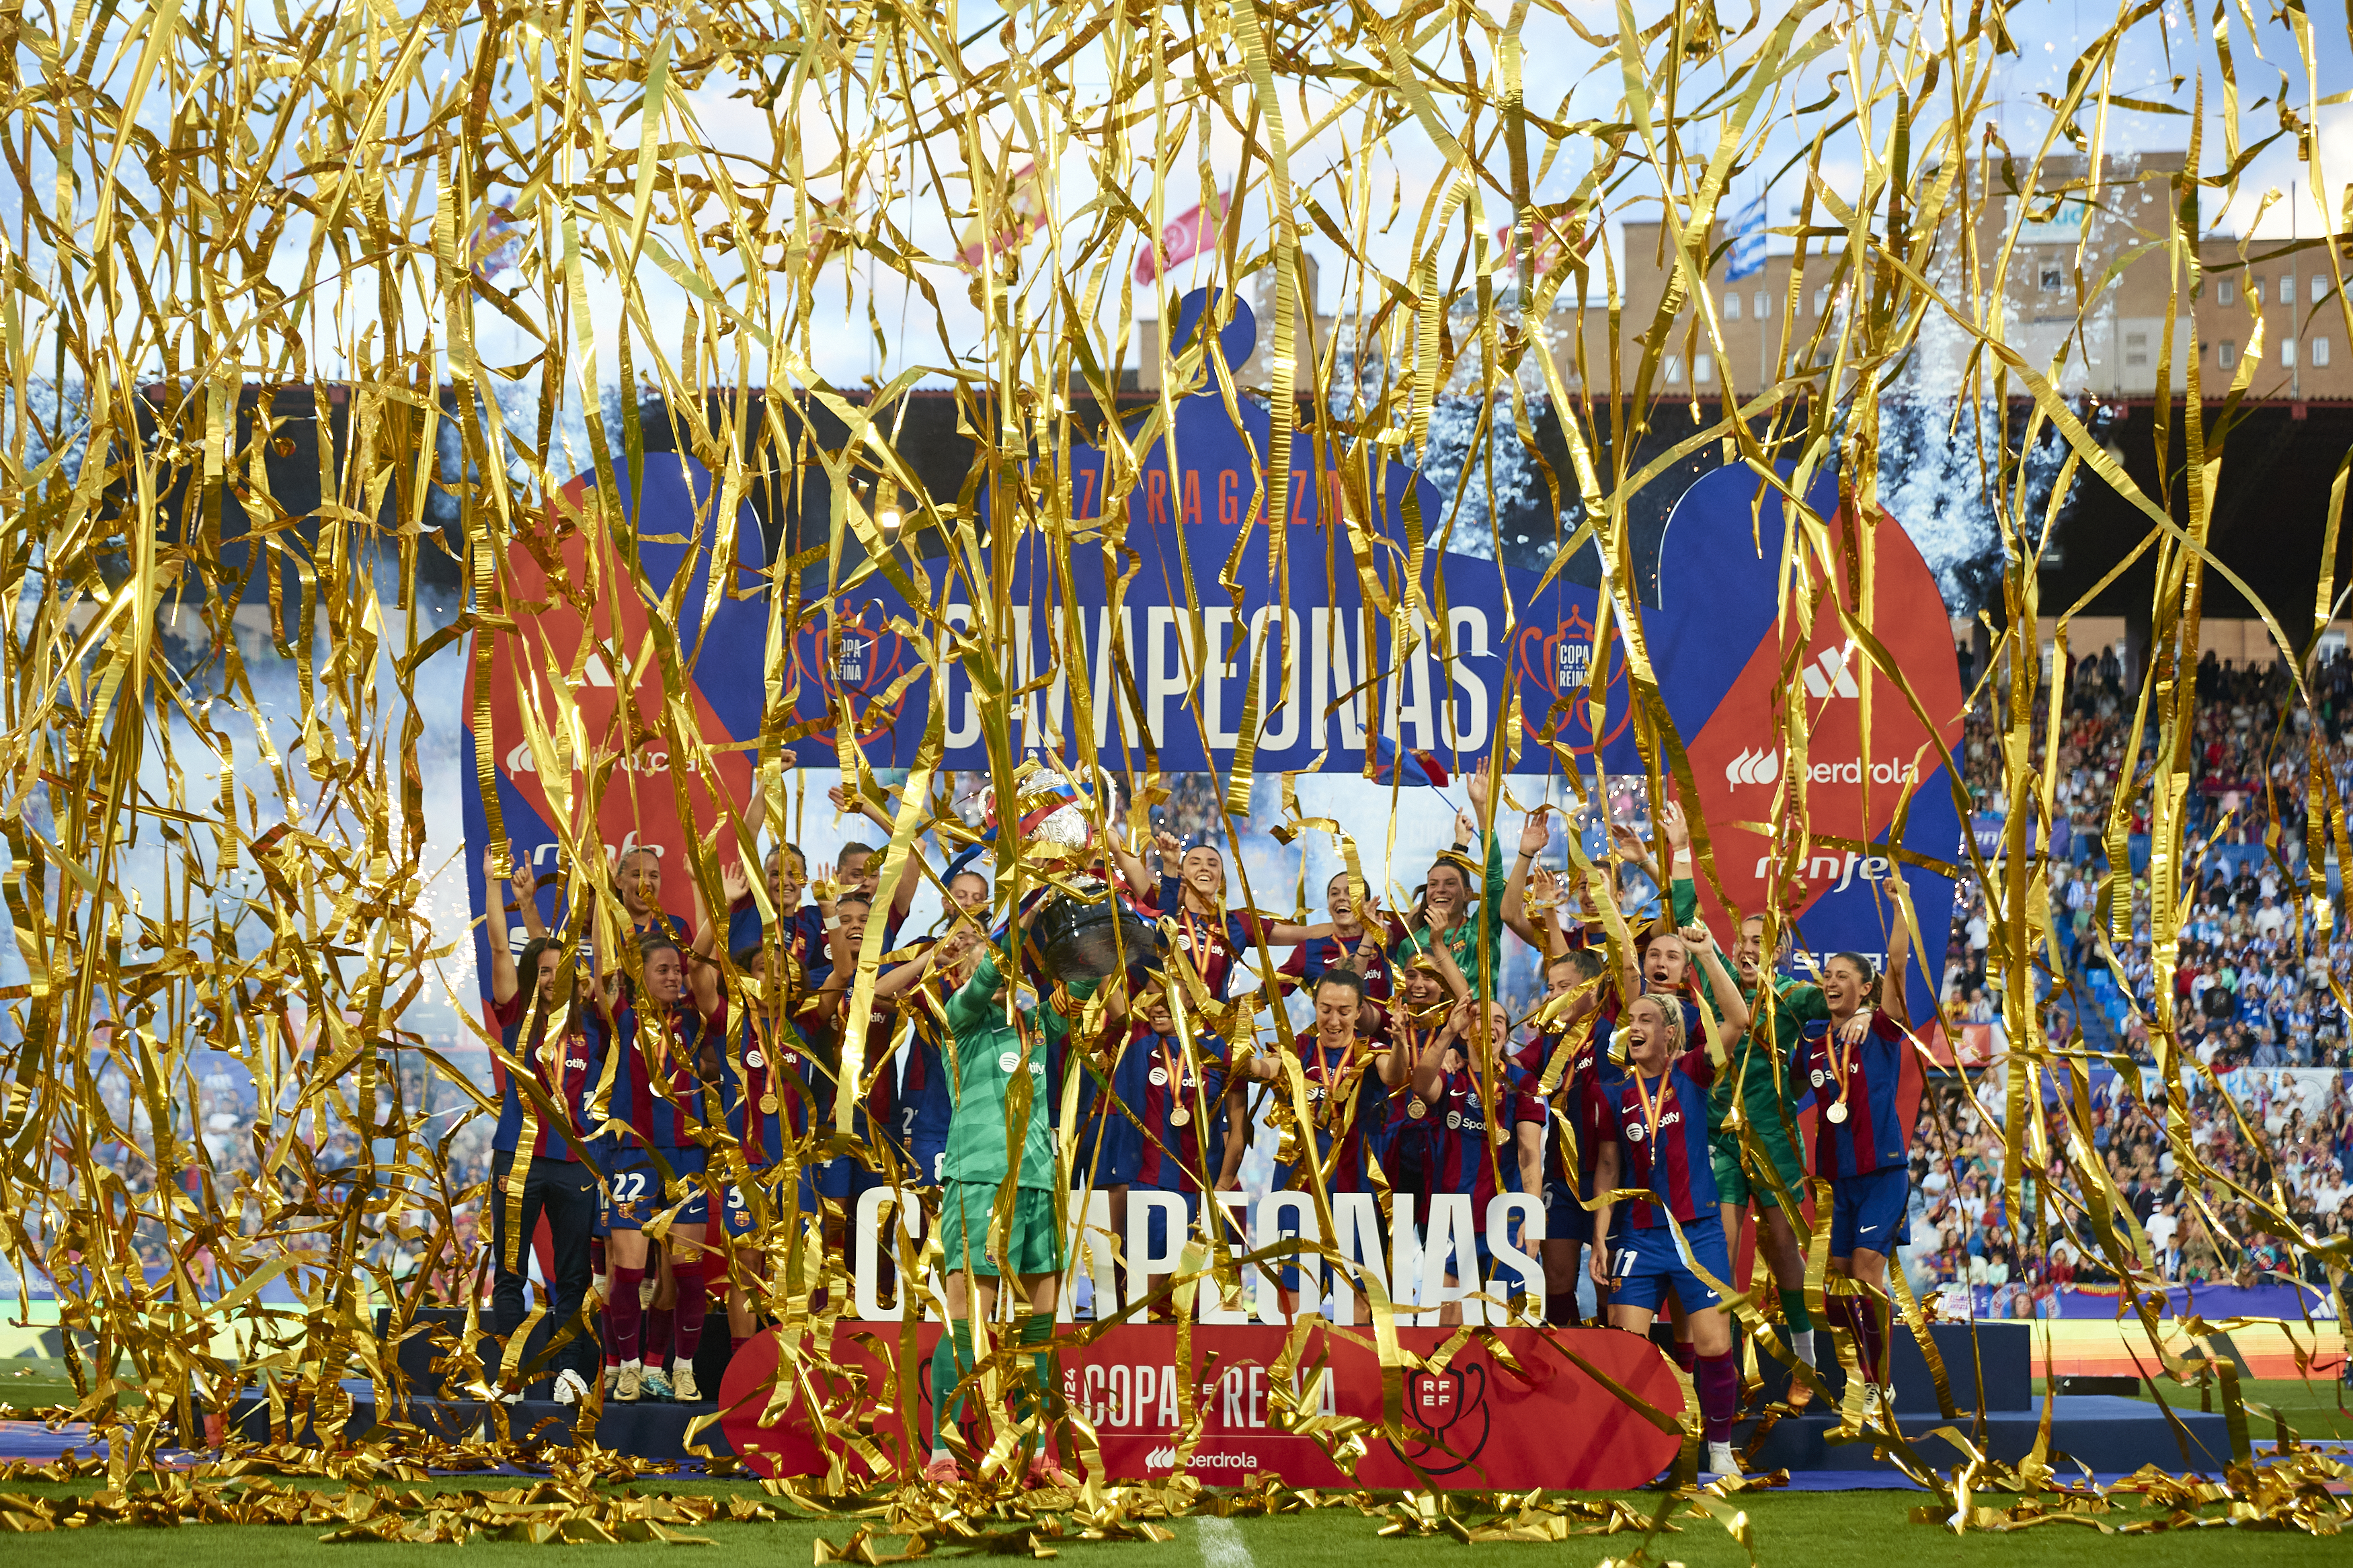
(1558, 663)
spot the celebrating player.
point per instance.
(663, 1036)
(547, 1036)
(1862, 1141)
(1473, 933)
(1658, 1111)
(1000, 1044)
(1765, 1080)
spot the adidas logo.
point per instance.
(1830, 675)
(1759, 766)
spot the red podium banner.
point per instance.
(1481, 1423)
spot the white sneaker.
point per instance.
(1801, 1344)
(1720, 1460)
(571, 1388)
(612, 1376)
(629, 1383)
(682, 1383)
(511, 1396)
(1876, 1404)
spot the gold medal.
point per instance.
(1837, 1112)
(768, 1103)
(1416, 1107)
(1180, 1116)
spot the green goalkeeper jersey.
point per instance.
(987, 1055)
(1774, 1034)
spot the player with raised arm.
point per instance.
(549, 1036)
(999, 1216)
(663, 1030)
(862, 866)
(1761, 1091)
(1658, 1115)
(768, 1090)
(1356, 940)
(1471, 931)
(1854, 1065)
(1479, 1132)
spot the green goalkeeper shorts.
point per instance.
(1733, 1184)
(967, 1246)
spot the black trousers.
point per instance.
(565, 1192)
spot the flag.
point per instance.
(1020, 214)
(1388, 764)
(1181, 239)
(1747, 242)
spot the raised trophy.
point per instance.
(1085, 930)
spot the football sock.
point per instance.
(1685, 1357)
(659, 1324)
(1717, 1380)
(1036, 1332)
(628, 1319)
(1874, 1339)
(1560, 1310)
(951, 1360)
(693, 1305)
(1794, 1313)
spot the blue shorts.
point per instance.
(1870, 1212)
(928, 1168)
(1566, 1219)
(1644, 1266)
(633, 1189)
(736, 1216)
(1157, 1234)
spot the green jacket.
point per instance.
(1468, 943)
(986, 1053)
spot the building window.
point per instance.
(2225, 291)
(1675, 370)
(2287, 288)
(2053, 278)
(2319, 287)
(2320, 353)
(2226, 353)
(1731, 307)
(1703, 370)
(1763, 309)
(2287, 353)
(2136, 350)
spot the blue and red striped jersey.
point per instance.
(1351, 1107)
(804, 932)
(565, 1066)
(1666, 1145)
(1460, 1125)
(1872, 1137)
(1216, 944)
(655, 1088)
(1174, 1151)
(1108, 1113)
(1311, 958)
(771, 1106)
